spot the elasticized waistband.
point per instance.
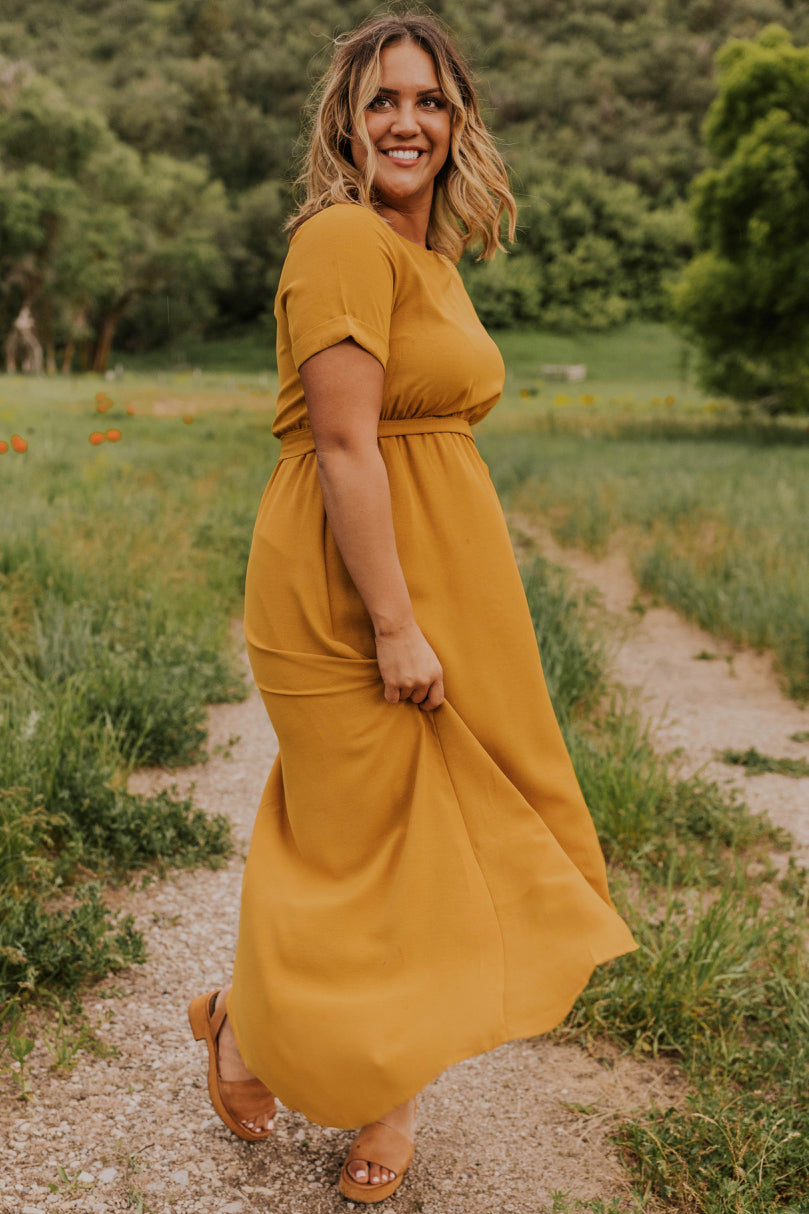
(301, 442)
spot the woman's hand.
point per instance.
(409, 667)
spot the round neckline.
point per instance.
(410, 243)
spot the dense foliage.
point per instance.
(146, 151)
(745, 296)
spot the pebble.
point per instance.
(85, 1178)
(180, 1177)
(108, 1175)
(233, 1207)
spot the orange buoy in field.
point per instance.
(113, 436)
(188, 419)
(19, 444)
(3, 447)
(131, 410)
(96, 437)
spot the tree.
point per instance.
(744, 299)
(89, 228)
(591, 253)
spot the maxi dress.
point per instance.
(420, 887)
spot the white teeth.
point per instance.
(403, 155)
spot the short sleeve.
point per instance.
(338, 281)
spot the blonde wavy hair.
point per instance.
(471, 189)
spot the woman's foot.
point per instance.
(369, 1172)
(244, 1103)
(232, 1069)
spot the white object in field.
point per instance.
(563, 371)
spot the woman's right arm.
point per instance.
(343, 388)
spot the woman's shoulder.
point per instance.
(345, 222)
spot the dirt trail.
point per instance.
(499, 1133)
(700, 706)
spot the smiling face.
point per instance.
(408, 123)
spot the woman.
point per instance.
(424, 881)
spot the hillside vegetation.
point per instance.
(147, 154)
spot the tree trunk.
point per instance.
(67, 357)
(77, 326)
(10, 346)
(104, 348)
(22, 341)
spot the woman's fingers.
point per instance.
(434, 698)
(427, 697)
(409, 668)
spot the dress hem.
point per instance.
(537, 1027)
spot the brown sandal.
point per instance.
(235, 1100)
(374, 1143)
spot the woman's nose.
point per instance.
(405, 120)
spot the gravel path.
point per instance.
(499, 1134)
(703, 694)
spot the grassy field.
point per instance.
(121, 563)
(120, 569)
(712, 504)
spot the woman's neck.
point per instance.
(411, 223)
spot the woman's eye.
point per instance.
(378, 102)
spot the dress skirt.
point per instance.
(420, 887)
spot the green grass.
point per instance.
(718, 983)
(120, 568)
(757, 764)
(711, 505)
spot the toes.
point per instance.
(260, 1124)
(374, 1174)
(358, 1170)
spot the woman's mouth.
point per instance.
(403, 155)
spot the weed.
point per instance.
(795, 883)
(19, 1047)
(67, 1034)
(756, 764)
(563, 1203)
(69, 1184)
(59, 949)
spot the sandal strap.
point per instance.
(216, 1015)
(381, 1144)
(246, 1099)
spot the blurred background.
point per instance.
(148, 150)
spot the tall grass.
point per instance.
(718, 983)
(120, 567)
(714, 524)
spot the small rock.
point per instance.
(32, 1210)
(233, 1207)
(206, 1165)
(85, 1178)
(180, 1177)
(108, 1175)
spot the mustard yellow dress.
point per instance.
(420, 887)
